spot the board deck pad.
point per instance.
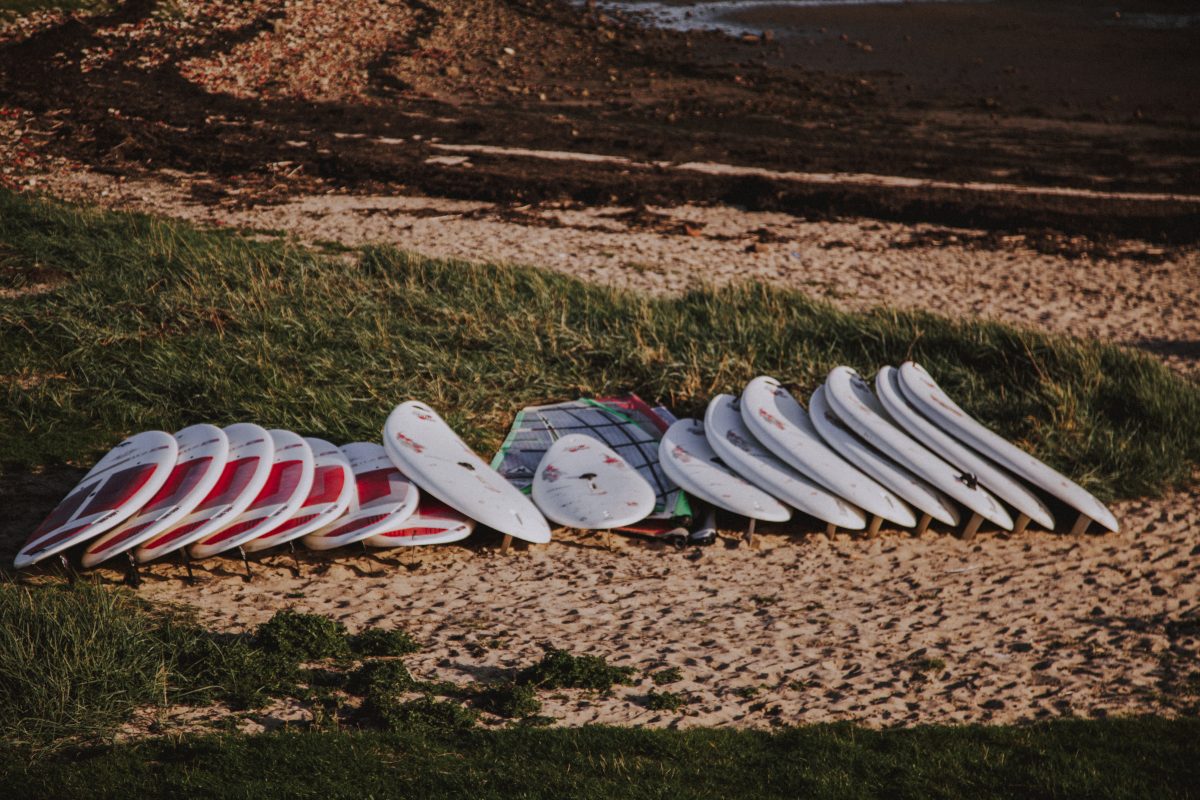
(992, 477)
(328, 498)
(203, 451)
(242, 478)
(851, 398)
(689, 461)
(736, 446)
(582, 483)
(113, 490)
(920, 388)
(382, 499)
(429, 452)
(433, 522)
(627, 424)
(783, 426)
(287, 486)
(883, 469)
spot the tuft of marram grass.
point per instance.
(158, 324)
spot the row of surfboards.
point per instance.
(851, 456)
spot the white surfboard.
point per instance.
(281, 496)
(121, 482)
(425, 449)
(689, 460)
(328, 499)
(784, 428)
(242, 478)
(924, 393)
(731, 439)
(851, 398)
(383, 499)
(433, 522)
(203, 451)
(883, 469)
(582, 483)
(994, 479)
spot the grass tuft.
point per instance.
(511, 700)
(665, 701)
(378, 642)
(303, 637)
(558, 669)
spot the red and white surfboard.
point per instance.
(203, 451)
(383, 497)
(433, 522)
(328, 499)
(120, 483)
(250, 454)
(285, 490)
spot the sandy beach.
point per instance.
(894, 631)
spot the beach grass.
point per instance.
(1121, 758)
(112, 323)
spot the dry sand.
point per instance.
(893, 631)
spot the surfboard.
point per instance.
(433, 522)
(993, 478)
(689, 460)
(736, 446)
(927, 499)
(582, 483)
(851, 398)
(924, 393)
(784, 428)
(383, 499)
(241, 479)
(113, 490)
(282, 495)
(203, 451)
(328, 499)
(423, 447)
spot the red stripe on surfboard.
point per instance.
(180, 482)
(354, 525)
(125, 535)
(292, 524)
(236, 529)
(120, 486)
(59, 537)
(412, 533)
(281, 484)
(233, 481)
(376, 484)
(327, 486)
(174, 533)
(62, 514)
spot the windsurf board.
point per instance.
(920, 389)
(433, 522)
(582, 483)
(114, 489)
(424, 448)
(689, 460)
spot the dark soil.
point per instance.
(584, 81)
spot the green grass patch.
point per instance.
(666, 701)
(510, 699)
(380, 642)
(1128, 758)
(559, 669)
(157, 324)
(303, 637)
(665, 676)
